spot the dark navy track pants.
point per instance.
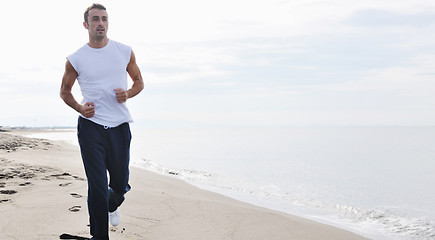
(104, 150)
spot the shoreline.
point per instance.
(43, 186)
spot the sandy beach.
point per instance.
(43, 196)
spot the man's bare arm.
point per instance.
(134, 72)
(68, 81)
(138, 85)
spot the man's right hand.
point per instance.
(88, 109)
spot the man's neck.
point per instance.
(98, 43)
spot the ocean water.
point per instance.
(375, 181)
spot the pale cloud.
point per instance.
(383, 18)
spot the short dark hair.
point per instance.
(93, 6)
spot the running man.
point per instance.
(101, 67)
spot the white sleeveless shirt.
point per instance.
(100, 71)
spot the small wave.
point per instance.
(387, 222)
(415, 228)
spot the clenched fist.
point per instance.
(88, 109)
(121, 95)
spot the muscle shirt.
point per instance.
(100, 71)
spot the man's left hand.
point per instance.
(121, 95)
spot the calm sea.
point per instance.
(375, 181)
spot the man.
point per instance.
(101, 68)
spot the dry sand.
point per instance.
(43, 195)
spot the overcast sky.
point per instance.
(233, 62)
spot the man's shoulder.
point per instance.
(122, 48)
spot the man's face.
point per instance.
(98, 23)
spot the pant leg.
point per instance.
(118, 164)
(94, 155)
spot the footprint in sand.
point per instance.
(75, 195)
(65, 184)
(8, 192)
(75, 208)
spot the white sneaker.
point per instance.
(115, 217)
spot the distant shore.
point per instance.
(43, 196)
